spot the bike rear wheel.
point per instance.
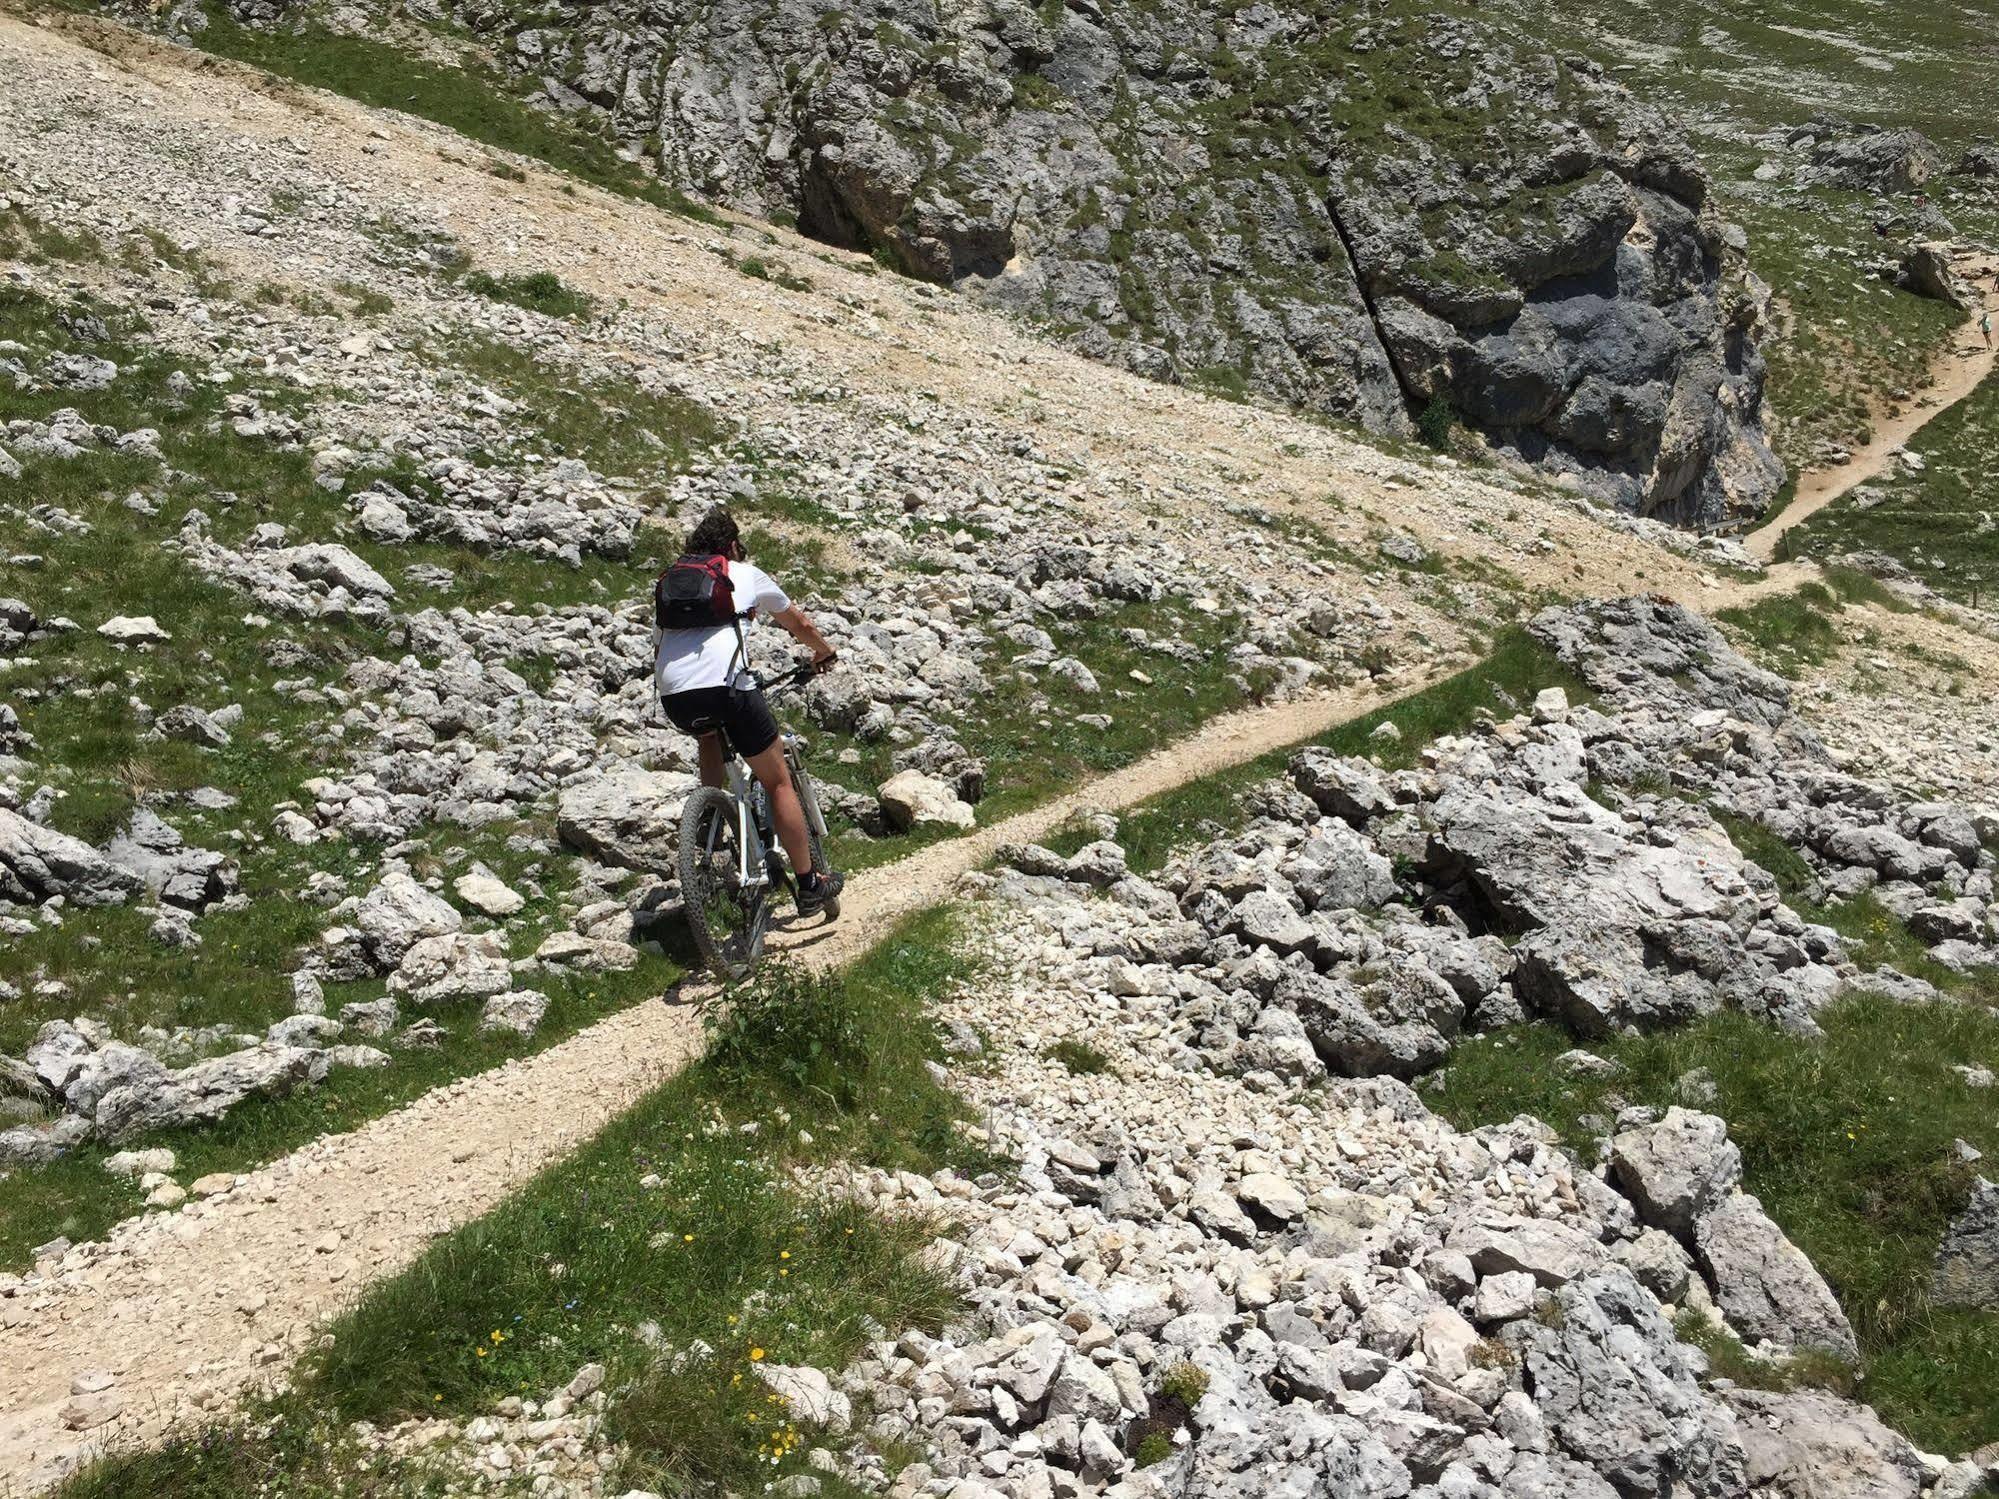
(727, 918)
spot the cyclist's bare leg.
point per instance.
(710, 746)
(785, 812)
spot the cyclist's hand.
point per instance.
(823, 664)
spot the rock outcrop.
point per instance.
(1362, 215)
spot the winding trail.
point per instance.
(1959, 369)
(188, 1310)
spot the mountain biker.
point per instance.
(702, 673)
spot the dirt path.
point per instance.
(187, 1310)
(1957, 372)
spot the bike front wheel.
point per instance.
(726, 916)
(815, 828)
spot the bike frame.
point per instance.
(754, 835)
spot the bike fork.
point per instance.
(809, 800)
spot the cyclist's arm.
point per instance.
(804, 632)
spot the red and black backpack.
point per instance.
(694, 593)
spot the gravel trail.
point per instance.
(187, 1310)
(1964, 364)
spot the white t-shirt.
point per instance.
(686, 659)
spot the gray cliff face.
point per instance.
(1356, 212)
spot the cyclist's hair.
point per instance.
(715, 534)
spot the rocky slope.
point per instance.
(1236, 1255)
(1374, 1302)
(1361, 211)
(364, 777)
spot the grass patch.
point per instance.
(621, 429)
(1849, 1143)
(538, 291)
(680, 1223)
(1852, 586)
(1813, 1369)
(759, 269)
(476, 101)
(1081, 1058)
(1788, 632)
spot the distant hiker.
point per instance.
(701, 667)
(1985, 327)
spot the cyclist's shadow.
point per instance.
(792, 933)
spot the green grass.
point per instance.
(1502, 684)
(759, 269)
(1079, 1057)
(1848, 1141)
(24, 236)
(1937, 521)
(1789, 632)
(473, 100)
(1809, 1368)
(538, 291)
(682, 1214)
(618, 428)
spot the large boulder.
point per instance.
(1807, 1444)
(397, 914)
(1927, 270)
(335, 566)
(208, 1089)
(1765, 1285)
(1871, 160)
(190, 878)
(1553, 1253)
(453, 966)
(1398, 1020)
(1677, 1169)
(1617, 1393)
(38, 862)
(1625, 924)
(911, 799)
(1338, 869)
(628, 817)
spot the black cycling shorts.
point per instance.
(743, 717)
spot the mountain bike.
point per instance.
(730, 868)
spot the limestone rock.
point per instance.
(627, 817)
(37, 862)
(1967, 1263)
(1764, 1284)
(910, 799)
(1677, 1169)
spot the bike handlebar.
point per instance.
(791, 678)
